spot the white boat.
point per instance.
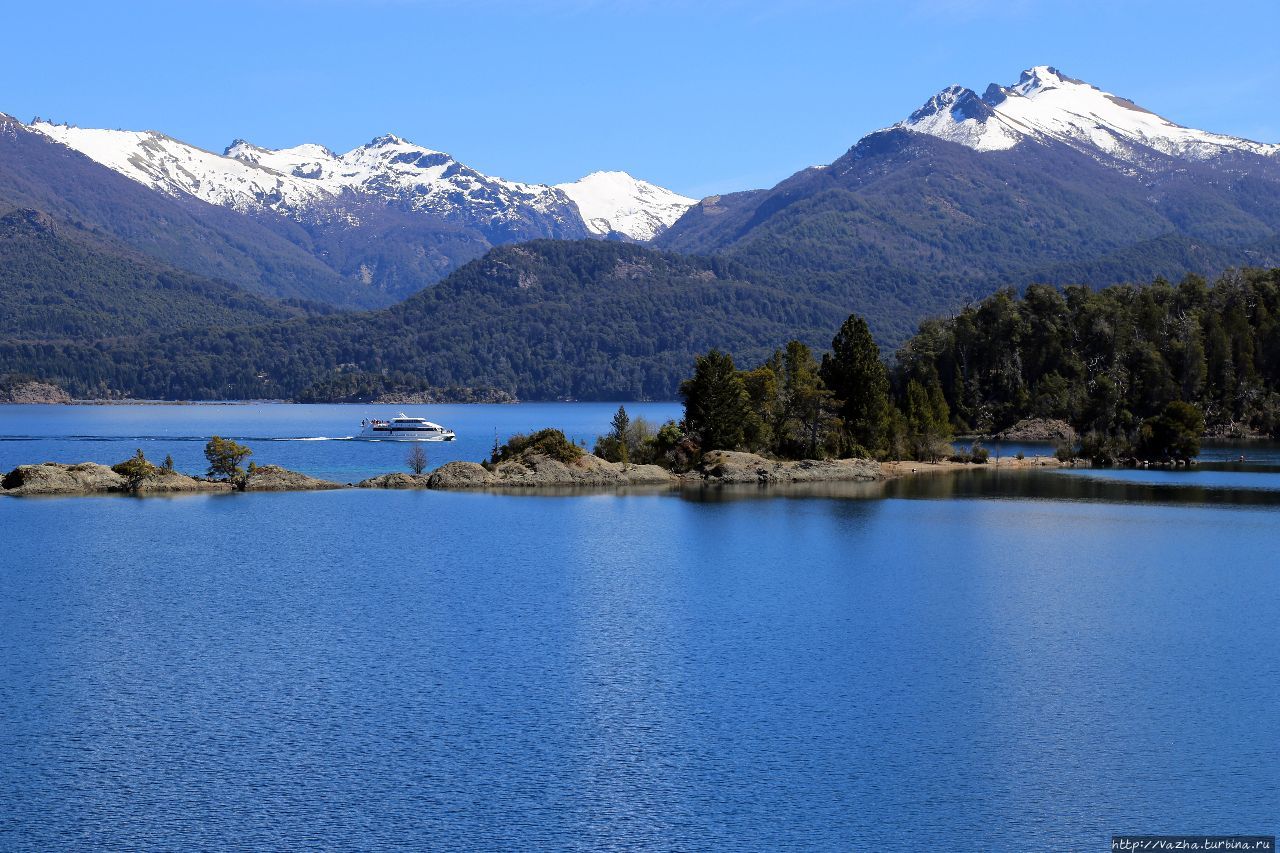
(404, 428)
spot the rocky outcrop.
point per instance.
(536, 470)
(273, 478)
(32, 392)
(57, 478)
(90, 478)
(397, 481)
(1038, 429)
(729, 467)
(586, 470)
(460, 475)
(164, 482)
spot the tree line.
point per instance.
(1111, 362)
(795, 405)
(1138, 372)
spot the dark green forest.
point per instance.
(58, 283)
(1105, 360)
(542, 320)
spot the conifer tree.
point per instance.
(715, 402)
(620, 423)
(857, 377)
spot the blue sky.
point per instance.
(703, 97)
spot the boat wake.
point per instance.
(145, 438)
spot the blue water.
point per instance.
(971, 663)
(315, 439)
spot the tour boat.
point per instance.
(404, 428)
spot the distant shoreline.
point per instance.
(130, 402)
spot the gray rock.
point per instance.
(33, 392)
(396, 481)
(272, 478)
(460, 475)
(535, 470)
(728, 467)
(171, 482)
(56, 478)
(90, 478)
(586, 470)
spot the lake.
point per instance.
(1011, 661)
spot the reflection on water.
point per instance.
(1197, 487)
(1108, 486)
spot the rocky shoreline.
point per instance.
(90, 478)
(526, 474)
(33, 393)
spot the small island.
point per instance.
(544, 460)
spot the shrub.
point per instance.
(1103, 450)
(979, 454)
(546, 442)
(1173, 434)
(135, 469)
(640, 447)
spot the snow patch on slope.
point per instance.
(617, 202)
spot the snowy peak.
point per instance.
(1043, 77)
(177, 169)
(1047, 105)
(618, 203)
(302, 161)
(312, 184)
(956, 101)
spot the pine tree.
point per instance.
(620, 424)
(224, 457)
(858, 379)
(715, 402)
(805, 403)
(928, 419)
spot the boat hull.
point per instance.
(404, 435)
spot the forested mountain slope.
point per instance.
(543, 320)
(59, 282)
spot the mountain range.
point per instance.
(1048, 179)
(391, 217)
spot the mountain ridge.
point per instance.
(949, 205)
(311, 183)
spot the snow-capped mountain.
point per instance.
(311, 184)
(615, 202)
(1048, 180)
(1045, 105)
